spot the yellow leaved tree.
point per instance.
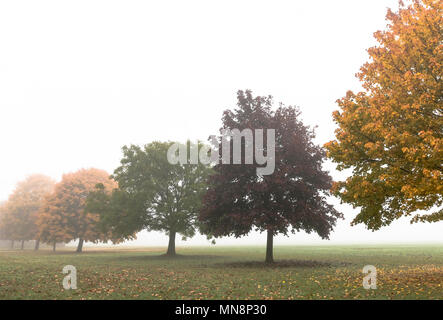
(64, 216)
(390, 134)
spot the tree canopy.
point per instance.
(390, 134)
(21, 211)
(64, 216)
(290, 199)
(153, 194)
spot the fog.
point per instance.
(78, 80)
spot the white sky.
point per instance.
(79, 79)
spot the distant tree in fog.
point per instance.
(64, 216)
(21, 212)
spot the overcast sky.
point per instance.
(80, 79)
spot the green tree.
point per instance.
(153, 194)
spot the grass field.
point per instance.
(301, 272)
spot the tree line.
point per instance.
(147, 192)
(389, 135)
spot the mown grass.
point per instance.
(304, 272)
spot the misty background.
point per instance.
(77, 85)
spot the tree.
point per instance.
(153, 194)
(64, 216)
(5, 224)
(3, 227)
(23, 207)
(390, 135)
(292, 198)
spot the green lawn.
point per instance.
(304, 272)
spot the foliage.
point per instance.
(64, 216)
(20, 212)
(153, 194)
(293, 198)
(3, 227)
(391, 133)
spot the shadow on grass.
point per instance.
(165, 257)
(282, 264)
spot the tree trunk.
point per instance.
(171, 245)
(12, 244)
(37, 244)
(270, 248)
(80, 245)
(23, 245)
(54, 245)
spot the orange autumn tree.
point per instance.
(390, 134)
(20, 212)
(64, 216)
(4, 234)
